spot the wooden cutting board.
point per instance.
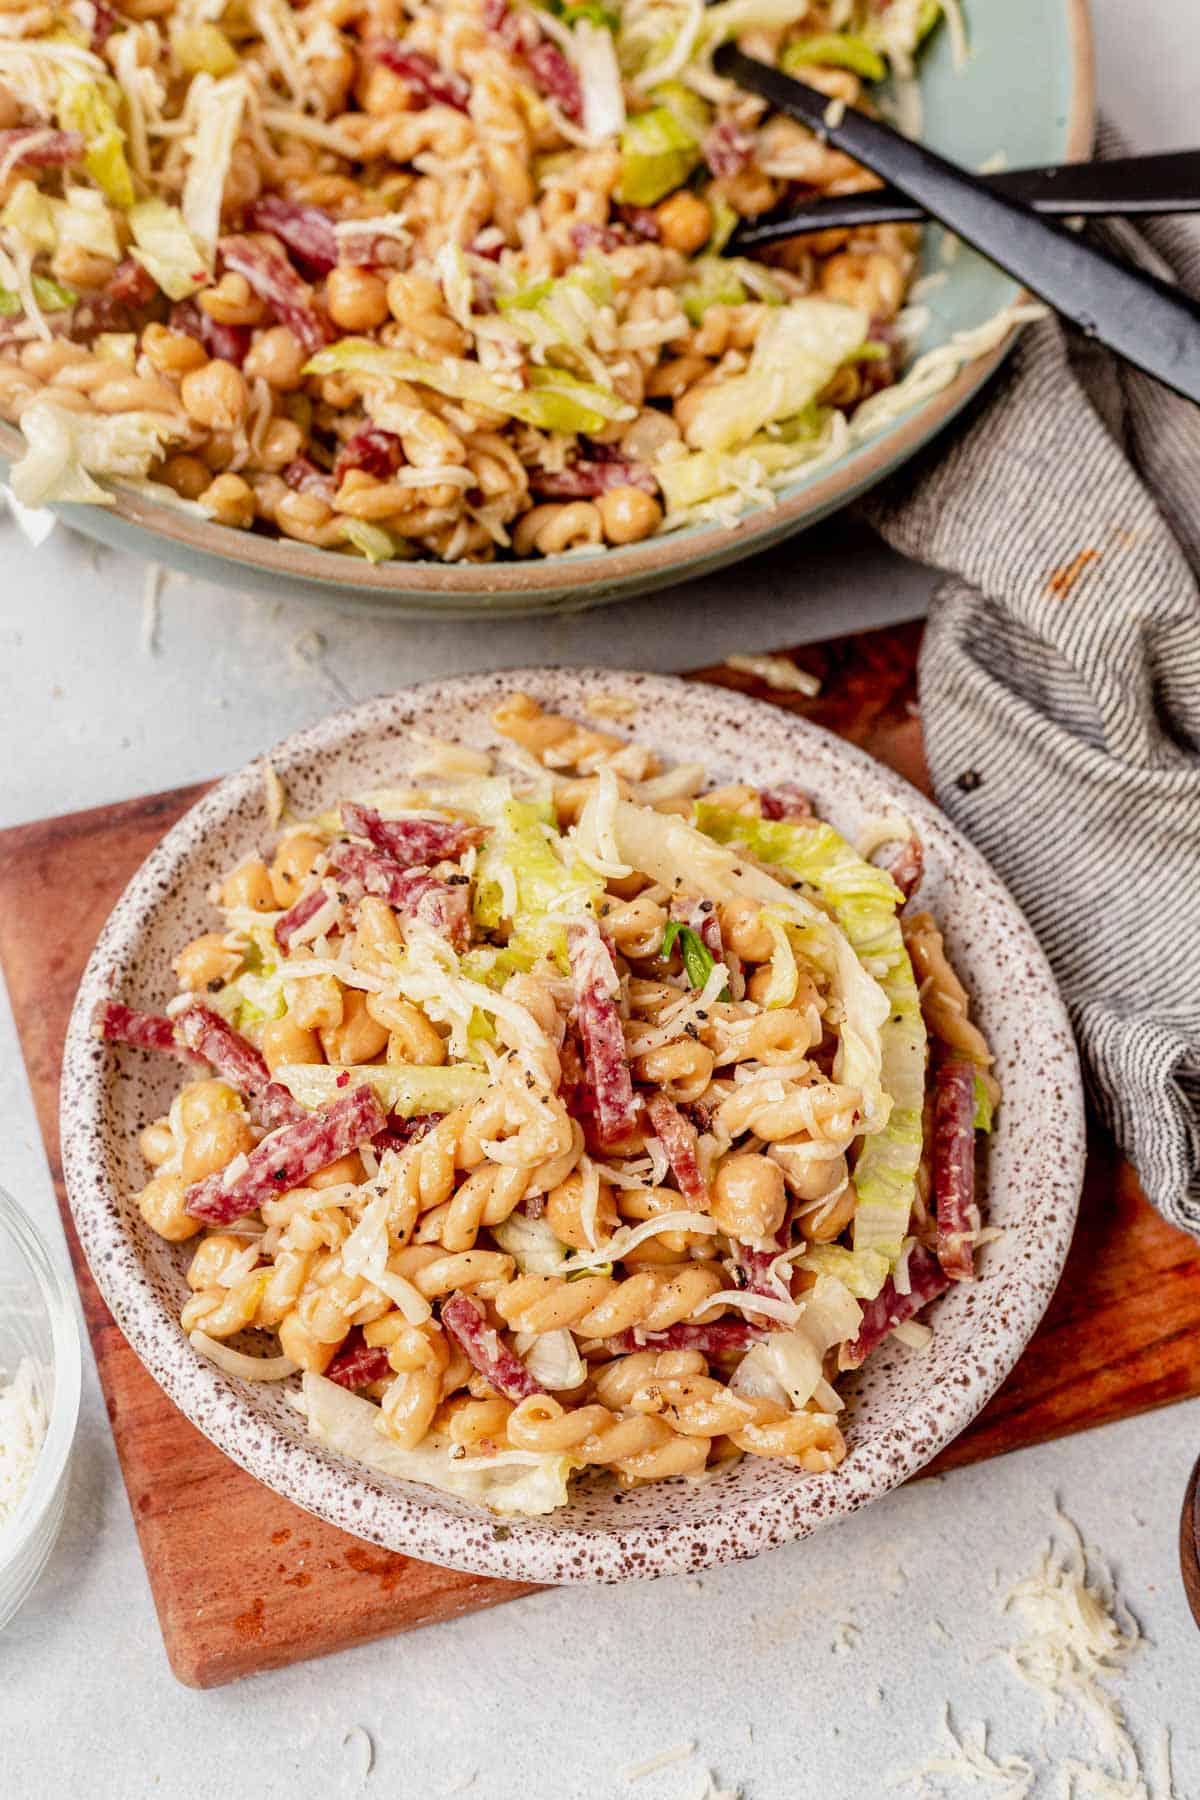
(245, 1581)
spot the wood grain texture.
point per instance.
(243, 1580)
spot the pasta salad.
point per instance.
(554, 1113)
(438, 279)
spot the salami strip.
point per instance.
(230, 343)
(376, 451)
(32, 147)
(288, 1157)
(429, 83)
(726, 148)
(357, 1364)
(303, 475)
(890, 1307)
(679, 1140)
(306, 232)
(954, 1167)
(718, 1339)
(466, 1321)
(552, 73)
(297, 915)
(785, 802)
(907, 866)
(117, 1024)
(274, 280)
(584, 478)
(607, 1080)
(415, 893)
(237, 1061)
(410, 841)
(401, 1132)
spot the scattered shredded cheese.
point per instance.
(22, 1433)
(967, 1759)
(610, 706)
(359, 1735)
(778, 672)
(246, 1368)
(663, 1760)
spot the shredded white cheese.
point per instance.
(663, 1760)
(22, 1433)
(968, 1760)
(778, 672)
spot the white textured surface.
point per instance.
(549, 1698)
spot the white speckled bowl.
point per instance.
(905, 1406)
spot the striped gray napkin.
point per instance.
(1060, 697)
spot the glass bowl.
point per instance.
(37, 1320)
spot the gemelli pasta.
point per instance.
(552, 1113)
(433, 278)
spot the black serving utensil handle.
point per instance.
(1150, 323)
(1129, 187)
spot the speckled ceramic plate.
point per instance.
(905, 1405)
(1025, 95)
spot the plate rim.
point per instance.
(607, 575)
(531, 1550)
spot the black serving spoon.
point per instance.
(1146, 320)
(1129, 187)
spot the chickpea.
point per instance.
(157, 1142)
(780, 1036)
(202, 1101)
(161, 1204)
(553, 528)
(230, 501)
(749, 1198)
(291, 866)
(357, 299)
(215, 395)
(743, 930)
(563, 1212)
(172, 352)
(282, 442)
(121, 392)
(232, 301)
(205, 963)
(628, 514)
(359, 1037)
(684, 222)
(284, 1042)
(215, 1145)
(186, 474)
(303, 1348)
(213, 1256)
(249, 885)
(872, 281)
(276, 355)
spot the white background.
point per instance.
(551, 1697)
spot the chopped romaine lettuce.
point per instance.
(525, 875)
(372, 541)
(837, 50)
(559, 314)
(687, 478)
(525, 1482)
(693, 113)
(797, 353)
(30, 214)
(89, 107)
(658, 153)
(63, 450)
(531, 1243)
(402, 1088)
(555, 400)
(166, 249)
(201, 48)
(984, 1109)
(51, 296)
(787, 1365)
(215, 108)
(862, 1272)
(864, 899)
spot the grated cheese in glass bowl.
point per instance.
(39, 1403)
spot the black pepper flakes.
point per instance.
(968, 781)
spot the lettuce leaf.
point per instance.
(658, 153)
(63, 450)
(166, 249)
(201, 48)
(404, 1088)
(836, 50)
(515, 1481)
(555, 314)
(524, 875)
(864, 900)
(688, 478)
(89, 107)
(51, 296)
(798, 351)
(555, 400)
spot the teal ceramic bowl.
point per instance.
(1026, 94)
